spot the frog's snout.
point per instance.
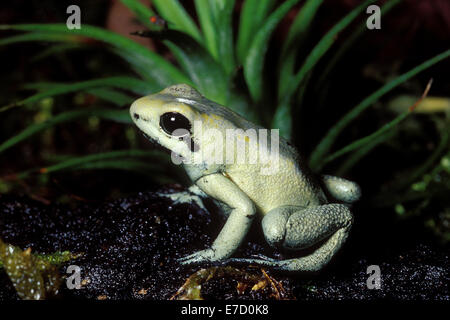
(136, 111)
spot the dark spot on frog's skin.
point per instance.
(137, 117)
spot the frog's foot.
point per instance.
(259, 260)
(184, 197)
(207, 255)
(259, 256)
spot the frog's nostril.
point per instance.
(136, 116)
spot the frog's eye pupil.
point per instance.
(174, 121)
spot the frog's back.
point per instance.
(290, 183)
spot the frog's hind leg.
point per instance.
(302, 229)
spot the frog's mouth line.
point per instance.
(193, 146)
(155, 143)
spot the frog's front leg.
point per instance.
(194, 194)
(239, 221)
(296, 228)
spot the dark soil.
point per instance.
(130, 246)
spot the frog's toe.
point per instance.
(261, 262)
(197, 257)
(189, 259)
(263, 257)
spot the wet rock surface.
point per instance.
(128, 250)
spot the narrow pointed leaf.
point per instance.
(156, 66)
(254, 61)
(39, 37)
(206, 73)
(365, 140)
(127, 83)
(173, 11)
(294, 41)
(325, 144)
(56, 49)
(223, 18)
(141, 11)
(252, 16)
(108, 94)
(324, 44)
(109, 114)
(317, 53)
(208, 26)
(348, 43)
(362, 152)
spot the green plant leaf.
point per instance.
(127, 83)
(325, 144)
(207, 75)
(141, 11)
(109, 114)
(156, 166)
(438, 152)
(252, 16)
(254, 61)
(173, 11)
(108, 94)
(38, 36)
(294, 41)
(323, 46)
(152, 171)
(348, 43)
(208, 25)
(283, 120)
(224, 34)
(362, 152)
(55, 49)
(113, 96)
(365, 140)
(153, 65)
(316, 54)
(99, 158)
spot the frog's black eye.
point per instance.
(171, 121)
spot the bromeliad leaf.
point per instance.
(323, 46)
(209, 29)
(173, 11)
(294, 41)
(224, 36)
(325, 144)
(141, 11)
(348, 43)
(154, 65)
(109, 114)
(252, 16)
(206, 73)
(39, 37)
(254, 61)
(313, 58)
(128, 83)
(108, 94)
(154, 164)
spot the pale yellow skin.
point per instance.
(296, 211)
